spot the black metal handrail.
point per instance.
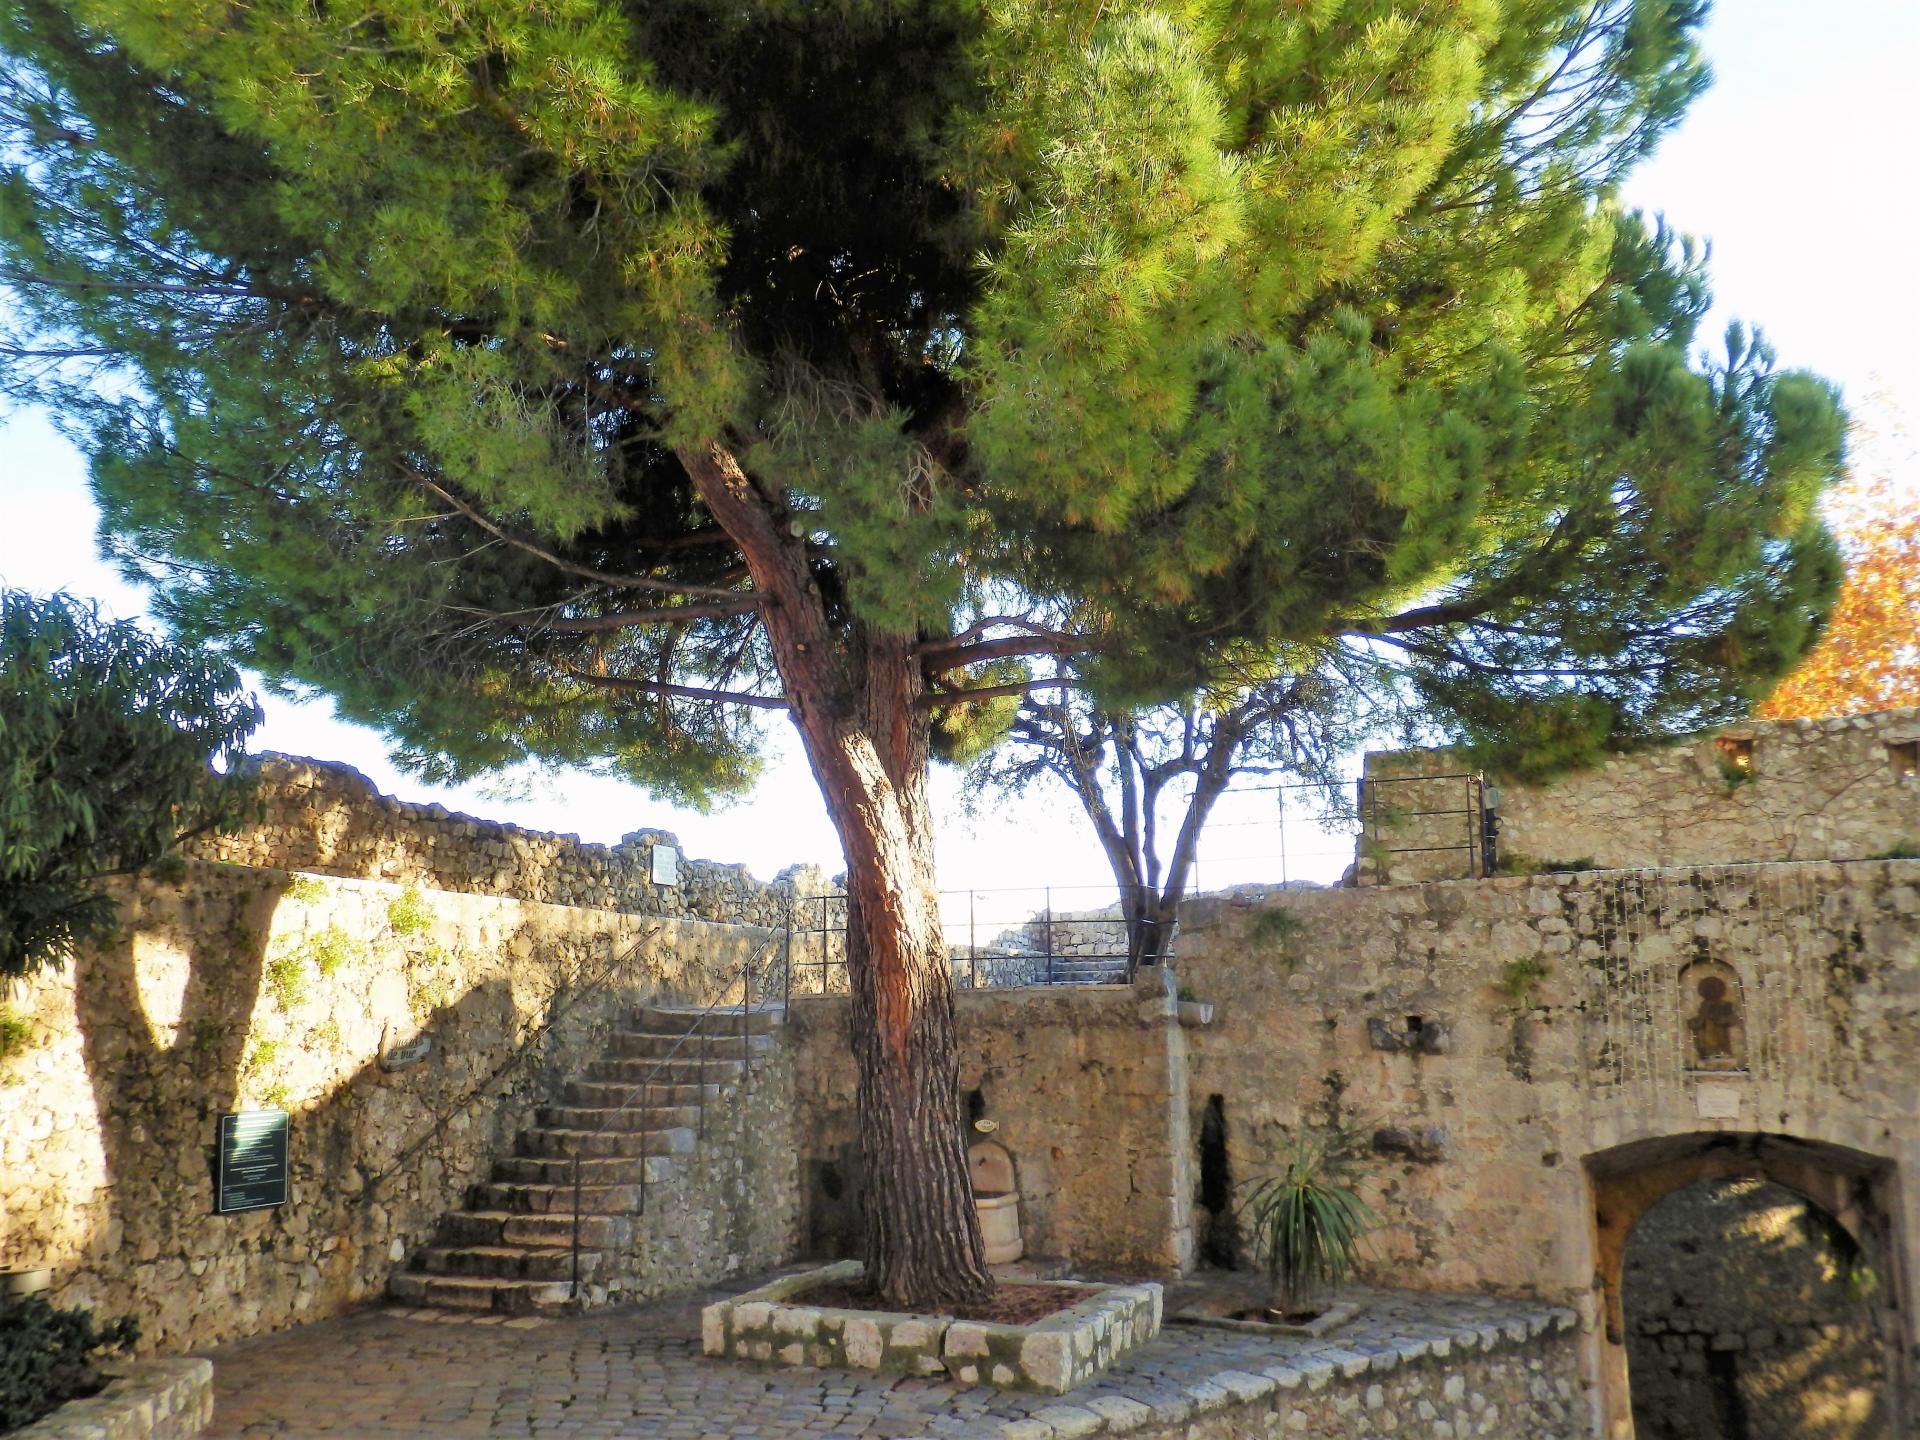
(516, 1058)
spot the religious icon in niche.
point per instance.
(1717, 1021)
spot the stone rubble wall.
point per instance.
(1503, 1391)
(1816, 790)
(1492, 1033)
(1743, 1322)
(328, 819)
(410, 1033)
(1083, 1087)
(1487, 1037)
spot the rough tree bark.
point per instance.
(856, 702)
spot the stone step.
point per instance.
(629, 1095)
(465, 1228)
(506, 1262)
(464, 1292)
(594, 1169)
(521, 1197)
(629, 1119)
(554, 1143)
(674, 1020)
(653, 1090)
(709, 1043)
(679, 1071)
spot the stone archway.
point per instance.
(1854, 1188)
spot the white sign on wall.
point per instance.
(666, 865)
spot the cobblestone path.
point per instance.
(637, 1371)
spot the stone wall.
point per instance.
(145, 1400)
(1492, 1039)
(409, 1032)
(1744, 1318)
(1842, 789)
(328, 819)
(1085, 1088)
(1526, 1391)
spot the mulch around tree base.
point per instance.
(1009, 1304)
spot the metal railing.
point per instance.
(1003, 936)
(519, 1056)
(641, 1088)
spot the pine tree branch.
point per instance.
(677, 692)
(940, 698)
(942, 656)
(585, 572)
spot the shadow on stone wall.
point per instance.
(1750, 1313)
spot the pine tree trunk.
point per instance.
(854, 698)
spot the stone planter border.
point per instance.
(145, 1400)
(1052, 1355)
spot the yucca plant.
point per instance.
(1307, 1221)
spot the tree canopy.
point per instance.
(1868, 657)
(573, 381)
(1218, 327)
(105, 739)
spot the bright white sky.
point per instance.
(1799, 166)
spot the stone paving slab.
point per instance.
(638, 1371)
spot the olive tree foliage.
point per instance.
(580, 382)
(106, 738)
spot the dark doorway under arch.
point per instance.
(1853, 1189)
(1749, 1314)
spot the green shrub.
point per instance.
(286, 977)
(307, 889)
(1275, 930)
(1527, 865)
(47, 1356)
(16, 1032)
(409, 913)
(331, 949)
(1520, 976)
(1307, 1221)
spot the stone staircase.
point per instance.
(634, 1122)
(1091, 970)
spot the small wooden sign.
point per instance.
(253, 1161)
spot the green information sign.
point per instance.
(253, 1161)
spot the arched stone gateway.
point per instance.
(1855, 1189)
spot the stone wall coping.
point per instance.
(1201, 907)
(162, 1399)
(1899, 723)
(1227, 1394)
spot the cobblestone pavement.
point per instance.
(637, 1371)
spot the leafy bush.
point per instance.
(1520, 976)
(16, 1032)
(48, 1356)
(105, 738)
(1307, 1221)
(409, 913)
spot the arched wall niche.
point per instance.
(1857, 1189)
(1714, 1001)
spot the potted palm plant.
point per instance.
(1306, 1222)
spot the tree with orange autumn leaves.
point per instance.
(1869, 657)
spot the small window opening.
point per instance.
(1735, 753)
(1904, 756)
(1415, 1024)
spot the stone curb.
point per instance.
(147, 1400)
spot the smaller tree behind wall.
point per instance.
(1869, 657)
(1149, 779)
(106, 738)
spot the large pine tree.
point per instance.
(576, 380)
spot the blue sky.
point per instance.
(1799, 167)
